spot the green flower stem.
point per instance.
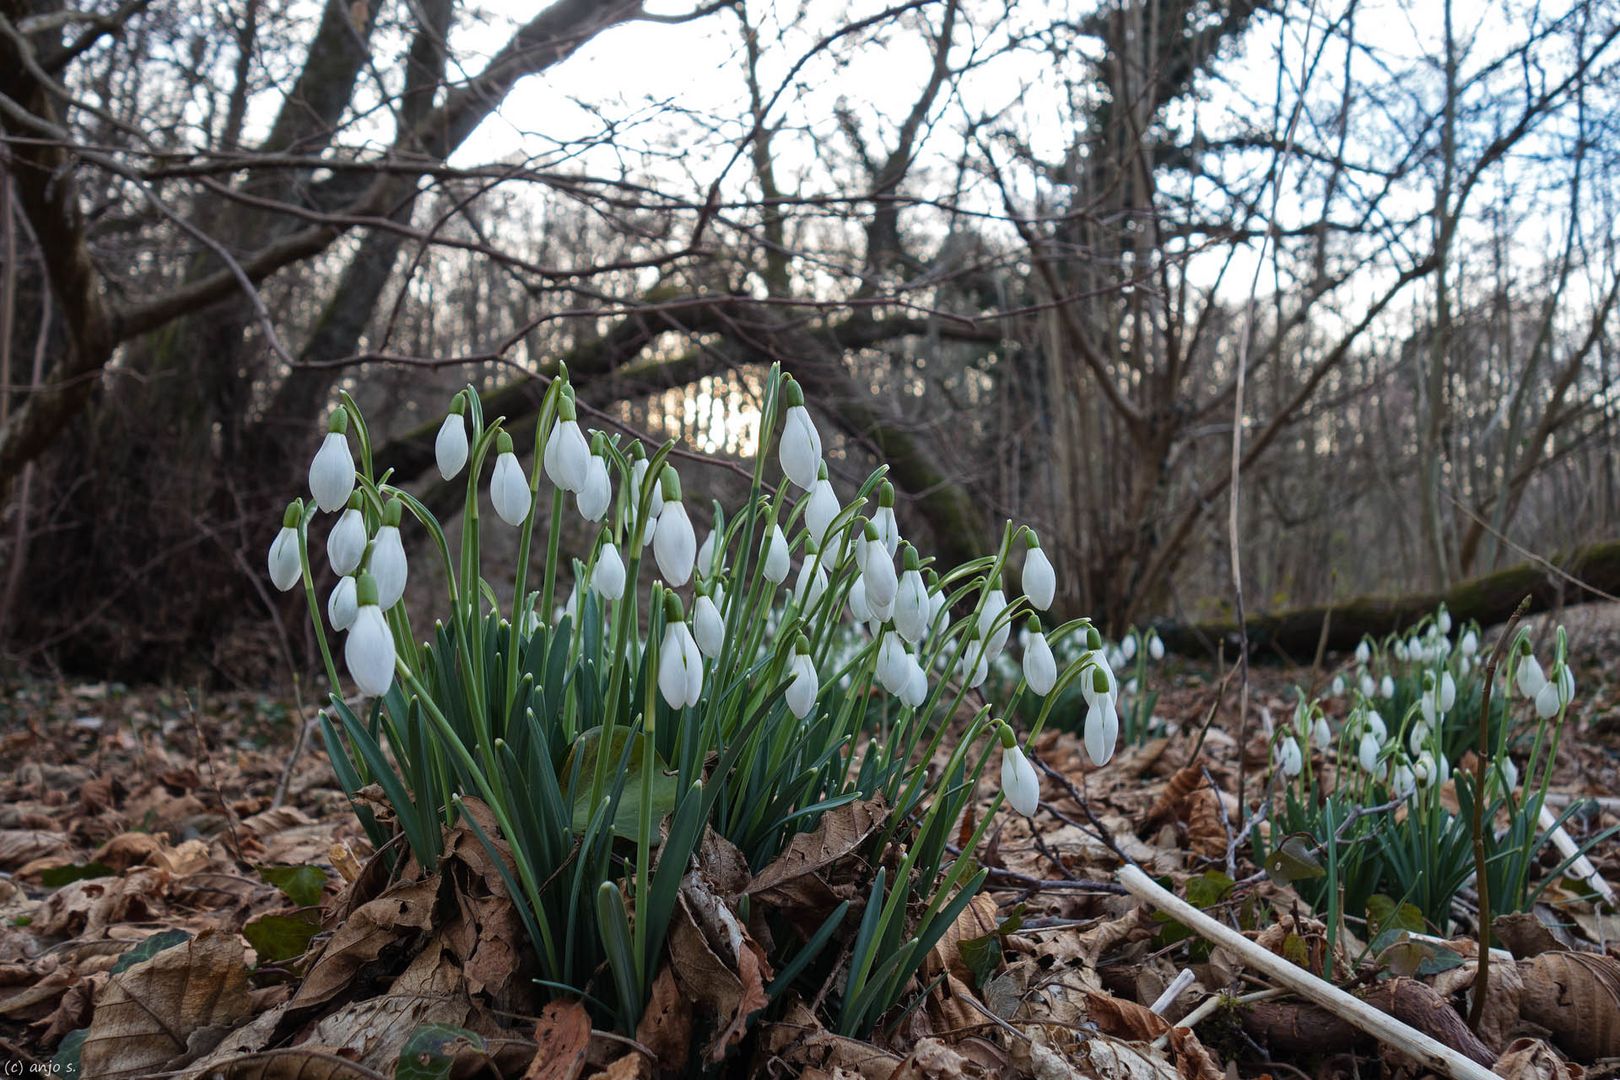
(316, 616)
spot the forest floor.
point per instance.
(179, 897)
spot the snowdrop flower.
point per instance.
(1375, 724)
(858, 607)
(1321, 733)
(346, 543)
(1403, 781)
(877, 571)
(1367, 752)
(800, 449)
(1369, 686)
(1399, 649)
(801, 692)
(1507, 774)
(972, 666)
(674, 544)
(1442, 621)
(776, 562)
(893, 663)
(596, 496)
(705, 556)
(1426, 705)
(567, 457)
(286, 567)
(707, 626)
(1418, 737)
(911, 606)
(450, 447)
(1529, 677)
(1040, 583)
(1018, 780)
(1363, 652)
(638, 481)
(1127, 648)
(608, 576)
(331, 473)
(994, 604)
(936, 597)
(916, 691)
(811, 583)
(1102, 723)
(508, 488)
(1427, 769)
(1386, 687)
(888, 529)
(680, 665)
(1336, 687)
(369, 650)
(1469, 644)
(822, 508)
(1156, 652)
(1040, 667)
(343, 604)
(1289, 758)
(1448, 691)
(387, 564)
(1547, 701)
(1565, 678)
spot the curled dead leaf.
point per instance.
(805, 881)
(1532, 1059)
(1576, 997)
(391, 919)
(562, 1038)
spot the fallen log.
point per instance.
(1582, 575)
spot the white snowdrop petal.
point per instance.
(285, 567)
(1040, 667)
(388, 566)
(608, 576)
(509, 490)
(331, 473)
(450, 447)
(801, 692)
(369, 651)
(594, 498)
(342, 605)
(1547, 701)
(1102, 731)
(777, 561)
(1019, 782)
(708, 627)
(822, 509)
(800, 449)
(346, 543)
(674, 544)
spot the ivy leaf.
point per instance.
(1293, 860)
(1208, 889)
(57, 876)
(149, 948)
(302, 885)
(279, 938)
(431, 1051)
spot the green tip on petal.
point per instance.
(355, 500)
(1093, 638)
(886, 494)
(931, 578)
(868, 529)
(598, 443)
(673, 612)
(562, 372)
(1005, 734)
(791, 392)
(458, 404)
(801, 645)
(565, 406)
(1034, 624)
(293, 516)
(670, 484)
(1099, 681)
(1031, 540)
(365, 589)
(503, 443)
(810, 546)
(912, 562)
(821, 471)
(393, 512)
(637, 451)
(338, 422)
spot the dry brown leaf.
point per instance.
(717, 963)
(168, 1009)
(1500, 1020)
(20, 846)
(396, 915)
(293, 1063)
(1576, 997)
(1206, 835)
(1168, 806)
(1418, 1005)
(799, 1040)
(802, 881)
(1125, 1019)
(562, 1037)
(1532, 1059)
(666, 1024)
(88, 907)
(979, 919)
(932, 1059)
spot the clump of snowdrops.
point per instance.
(1366, 796)
(680, 687)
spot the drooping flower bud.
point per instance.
(450, 447)
(877, 570)
(1386, 687)
(387, 564)
(567, 456)
(1040, 583)
(1321, 733)
(346, 543)
(1469, 644)
(777, 562)
(802, 691)
(1448, 691)
(1367, 752)
(1156, 652)
(331, 472)
(1442, 621)
(800, 449)
(708, 627)
(1363, 652)
(822, 508)
(811, 583)
(596, 496)
(343, 604)
(608, 576)
(1102, 729)
(888, 529)
(680, 665)
(285, 565)
(1018, 780)
(1289, 757)
(911, 606)
(1040, 666)
(1375, 724)
(508, 488)
(995, 602)
(369, 650)
(638, 480)
(1529, 677)
(858, 607)
(916, 690)
(1547, 701)
(674, 544)
(893, 663)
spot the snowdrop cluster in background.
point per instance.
(1394, 730)
(802, 656)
